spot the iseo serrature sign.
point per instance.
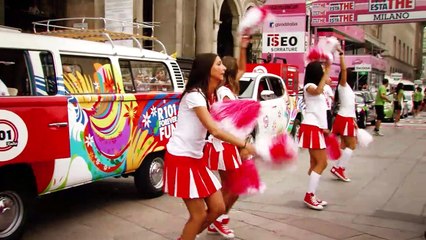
(331, 12)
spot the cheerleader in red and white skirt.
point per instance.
(185, 171)
(345, 121)
(221, 155)
(314, 125)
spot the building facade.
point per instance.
(186, 27)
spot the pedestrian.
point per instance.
(398, 98)
(185, 171)
(379, 106)
(417, 101)
(424, 100)
(313, 127)
(223, 156)
(345, 122)
(329, 98)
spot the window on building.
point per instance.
(84, 75)
(403, 52)
(148, 17)
(394, 46)
(399, 49)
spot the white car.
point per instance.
(271, 91)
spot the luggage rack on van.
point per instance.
(80, 30)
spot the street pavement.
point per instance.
(386, 199)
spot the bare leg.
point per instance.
(228, 197)
(197, 216)
(215, 208)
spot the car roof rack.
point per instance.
(105, 30)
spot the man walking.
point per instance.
(379, 105)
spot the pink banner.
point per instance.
(332, 12)
(284, 36)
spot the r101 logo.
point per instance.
(5, 135)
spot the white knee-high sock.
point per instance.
(344, 159)
(313, 182)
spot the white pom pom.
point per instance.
(364, 138)
(262, 148)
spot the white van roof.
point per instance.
(38, 42)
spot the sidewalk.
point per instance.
(386, 199)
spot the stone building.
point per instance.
(186, 27)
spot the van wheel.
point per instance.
(149, 176)
(14, 205)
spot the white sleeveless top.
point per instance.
(347, 101)
(316, 109)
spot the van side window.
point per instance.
(144, 76)
(46, 60)
(14, 72)
(83, 75)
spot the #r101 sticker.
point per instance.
(13, 135)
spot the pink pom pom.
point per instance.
(245, 179)
(332, 146)
(316, 54)
(280, 149)
(236, 116)
(252, 20)
(324, 50)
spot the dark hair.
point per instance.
(419, 89)
(399, 87)
(385, 81)
(200, 73)
(313, 73)
(231, 73)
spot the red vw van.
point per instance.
(78, 111)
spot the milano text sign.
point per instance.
(332, 12)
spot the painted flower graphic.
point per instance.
(89, 140)
(146, 121)
(131, 111)
(153, 111)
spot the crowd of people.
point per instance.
(198, 146)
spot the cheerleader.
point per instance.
(313, 127)
(223, 156)
(185, 172)
(345, 121)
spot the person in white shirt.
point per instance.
(345, 121)
(329, 98)
(185, 170)
(313, 127)
(223, 156)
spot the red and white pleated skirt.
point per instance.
(227, 159)
(311, 137)
(187, 177)
(344, 126)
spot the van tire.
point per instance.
(16, 215)
(149, 176)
